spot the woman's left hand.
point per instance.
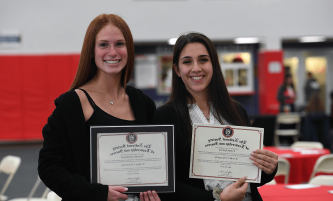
(149, 196)
(265, 160)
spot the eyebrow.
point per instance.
(120, 40)
(187, 57)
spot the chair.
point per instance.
(322, 180)
(323, 164)
(306, 144)
(9, 164)
(52, 196)
(283, 169)
(287, 119)
(273, 182)
(34, 188)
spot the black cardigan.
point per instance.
(64, 160)
(187, 188)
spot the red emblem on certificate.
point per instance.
(228, 132)
(131, 138)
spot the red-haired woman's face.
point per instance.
(195, 68)
(110, 50)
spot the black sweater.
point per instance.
(64, 160)
(188, 188)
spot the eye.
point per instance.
(120, 44)
(186, 61)
(203, 60)
(103, 45)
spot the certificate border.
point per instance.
(196, 126)
(95, 130)
(149, 133)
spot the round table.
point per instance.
(301, 162)
(279, 192)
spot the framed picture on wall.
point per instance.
(164, 74)
(145, 71)
(237, 68)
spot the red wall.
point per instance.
(29, 85)
(269, 82)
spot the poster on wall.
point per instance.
(10, 39)
(164, 74)
(145, 71)
(237, 68)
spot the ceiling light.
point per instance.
(247, 40)
(311, 39)
(172, 41)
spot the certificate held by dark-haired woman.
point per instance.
(222, 152)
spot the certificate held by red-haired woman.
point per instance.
(140, 157)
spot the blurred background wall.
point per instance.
(40, 44)
(59, 26)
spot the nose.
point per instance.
(112, 51)
(196, 67)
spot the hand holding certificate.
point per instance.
(223, 152)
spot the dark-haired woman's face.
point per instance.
(195, 68)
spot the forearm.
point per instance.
(57, 170)
(265, 178)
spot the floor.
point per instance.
(26, 175)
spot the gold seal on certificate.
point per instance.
(138, 157)
(222, 152)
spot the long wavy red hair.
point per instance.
(87, 68)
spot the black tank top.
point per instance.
(102, 118)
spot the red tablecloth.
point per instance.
(280, 193)
(301, 162)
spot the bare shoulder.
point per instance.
(86, 107)
(82, 96)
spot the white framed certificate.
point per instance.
(222, 152)
(139, 157)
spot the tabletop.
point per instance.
(279, 192)
(301, 162)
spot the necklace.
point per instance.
(207, 116)
(111, 102)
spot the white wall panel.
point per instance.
(58, 26)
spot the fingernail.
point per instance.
(154, 192)
(251, 157)
(244, 178)
(140, 194)
(252, 154)
(149, 192)
(125, 189)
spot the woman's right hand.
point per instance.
(149, 196)
(116, 193)
(235, 191)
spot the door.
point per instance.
(319, 64)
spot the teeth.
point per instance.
(197, 78)
(112, 62)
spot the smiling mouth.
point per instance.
(113, 62)
(197, 78)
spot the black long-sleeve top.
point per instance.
(64, 160)
(188, 188)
